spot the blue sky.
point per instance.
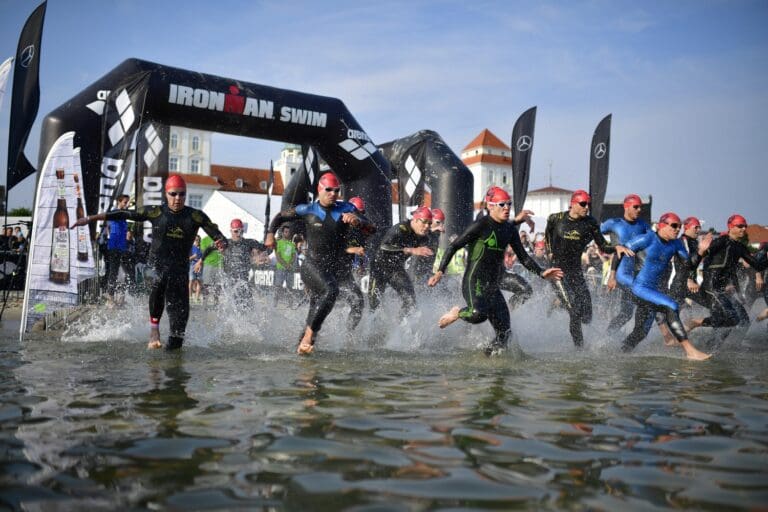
(686, 81)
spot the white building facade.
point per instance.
(490, 161)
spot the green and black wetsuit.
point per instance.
(486, 240)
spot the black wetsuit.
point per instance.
(420, 268)
(347, 283)
(323, 266)
(517, 285)
(678, 288)
(236, 265)
(389, 265)
(486, 240)
(720, 266)
(173, 234)
(566, 239)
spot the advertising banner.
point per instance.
(59, 258)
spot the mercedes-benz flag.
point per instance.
(25, 98)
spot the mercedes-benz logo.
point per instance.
(27, 55)
(600, 150)
(524, 143)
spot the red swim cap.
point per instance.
(437, 214)
(236, 224)
(580, 196)
(735, 220)
(422, 212)
(175, 181)
(541, 244)
(496, 195)
(632, 200)
(328, 180)
(670, 218)
(690, 222)
(358, 203)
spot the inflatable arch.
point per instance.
(420, 162)
(137, 93)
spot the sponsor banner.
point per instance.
(151, 168)
(59, 258)
(266, 278)
(25, 99)
(5, 70)
(120, 124)
(598, 165)
(522, 149)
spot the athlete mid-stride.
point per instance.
(720, 264)
(327, 222)
(623, 270)
(567, 234)
(174, 227)
(660, 248)
(486, 240)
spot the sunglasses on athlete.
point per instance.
(636, 206)
(236, 230)
(177, 194)
(502, 204)
(740, 226)
(584, 204)
(335, 190)
(425, 221)
(674, 225)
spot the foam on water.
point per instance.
(537, 328)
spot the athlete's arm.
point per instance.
(598, 237)
(467, 237)
(212, 230)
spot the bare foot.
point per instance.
(693, 353)
(450, 317)
(670, 341)
(762, 316)
(307, 343)
(154, 339)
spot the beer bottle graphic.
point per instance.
(60, 239)
(82, 231)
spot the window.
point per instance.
(174, 140)
(195, 201)
(173, 164)
(239, 183)
(292, 171)
(504, 178)
(195, 143)
(194, 166)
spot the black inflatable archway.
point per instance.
(142, 92)
(420, 162)
(423, 161)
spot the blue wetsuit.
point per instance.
(625, 267)
(649, 282)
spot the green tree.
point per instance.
(20, 212)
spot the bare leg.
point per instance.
(450, 317)
(669, 339)
(154, 338)
(693, 323)
(692, 352)
(307, 343)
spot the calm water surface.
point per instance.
(91, 425)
